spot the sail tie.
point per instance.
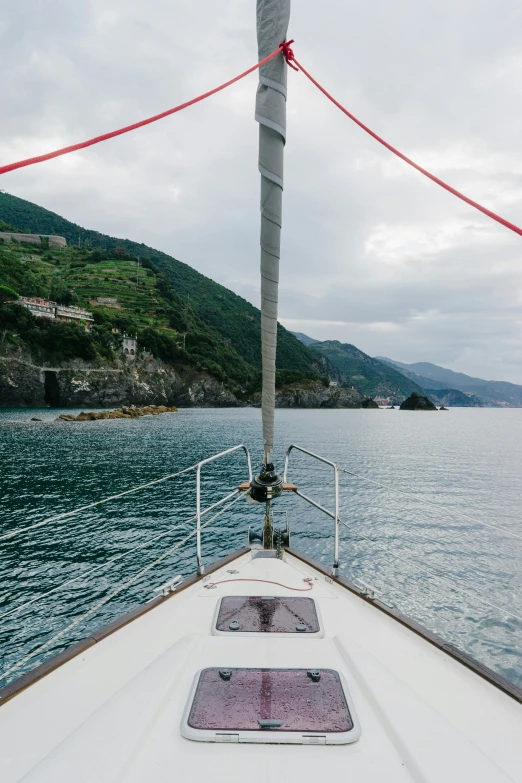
(288, 53)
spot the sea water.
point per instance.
(431, 536)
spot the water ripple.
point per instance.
(458, 578)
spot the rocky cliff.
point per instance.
(26, 383)
(314, 395)
(145, 381)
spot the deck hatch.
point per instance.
(267, 614)
(271, 705)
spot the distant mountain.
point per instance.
(453, 398)
(432, 372)
(304, 338)
(498, 394)
(369, 376)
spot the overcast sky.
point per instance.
(373, 254)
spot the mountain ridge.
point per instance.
(499, 394)
(370, 376)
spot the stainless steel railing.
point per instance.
(199, 512)
(333, 514)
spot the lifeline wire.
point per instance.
(111, 595)
(19, 530)
(433, 574)
(91, 571)
(431, 503)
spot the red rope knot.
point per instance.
(288, 53)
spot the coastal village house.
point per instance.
(44, 308)
(384, 402)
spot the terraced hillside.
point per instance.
(142, 302)
(180, 316)
(232, 317)
(134, 290)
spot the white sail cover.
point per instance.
(272, 25)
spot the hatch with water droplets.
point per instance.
(278, 615)
(299, 706)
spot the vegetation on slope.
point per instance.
(179, 315)
(146, 304)
(371, 377)
(454, 398)
(224, 313)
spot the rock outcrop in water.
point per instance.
(119, 413)
(417, 402)
(369, 403)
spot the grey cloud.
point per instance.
(372, 253)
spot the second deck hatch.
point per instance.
(258, 614)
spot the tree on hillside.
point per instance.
(61, 294)
(7, 294)
(119, 253)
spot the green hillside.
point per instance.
(145, 304)
(226, 314)
(371, 377)
(453, 398)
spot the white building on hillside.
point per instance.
(45, 308)
(130, 345)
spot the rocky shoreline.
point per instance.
(131, 412)
(26, 383)
(145, 381)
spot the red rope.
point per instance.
(288, 53)
(268, 582)
(286, 48)
(96, 140)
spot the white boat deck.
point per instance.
(113, 713)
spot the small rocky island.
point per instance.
(417, 402)
(120, 413)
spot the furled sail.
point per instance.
(272, 25)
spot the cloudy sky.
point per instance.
(373, 253)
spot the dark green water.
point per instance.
(457, 576)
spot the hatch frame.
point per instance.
(320, 634)
(267, 737)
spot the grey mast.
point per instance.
(272, 25)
